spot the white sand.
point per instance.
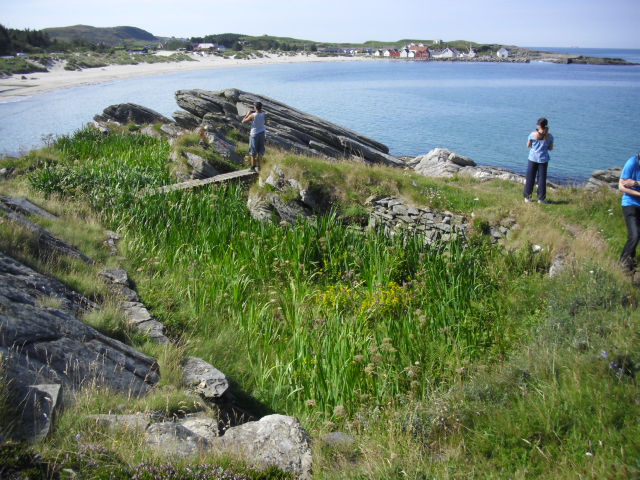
(58, 78)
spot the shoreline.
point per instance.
(14, 88)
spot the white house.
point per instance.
(222, 48)
(206, 46)
(448, 52)
(22, 55)
(406, 53)
(503, 53)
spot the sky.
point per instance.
(541, 23)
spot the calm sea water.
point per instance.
(482, 110)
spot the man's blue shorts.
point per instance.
(256, 144)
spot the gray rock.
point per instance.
(37, 405)
(46, 239)
(130, 112)
(225, 148)
(604, 178)
(201, 102)
(99, 126)
(49, 345)
(117, 276)
(186, 120)
(124, 293)
(201, 168)
(273, 440)
(290, 211)
(149, 131)
(206, 428)
(24, 206)
(204, 378)
(172, 130)
(175, 440)
(559, 265)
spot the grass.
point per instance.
(443, 362)
(13, 66)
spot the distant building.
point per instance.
(205, 46)
(418, 48)
(437, 42)
(424, 54)
(22, 55)
(503, 53)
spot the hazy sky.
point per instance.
(543, 23)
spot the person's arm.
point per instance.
(550, 147)
(625, 185)
(529, 144)
(248, 117)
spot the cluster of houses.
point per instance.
(412, 51)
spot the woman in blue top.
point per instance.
(630, 209)
(540, 142)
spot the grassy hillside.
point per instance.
(112, 36)
(443, 362)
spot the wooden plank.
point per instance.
(198, 183)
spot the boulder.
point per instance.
(273, 440)
(186, 120)
(37, 407)
(171, 130)
(201, 168)
(204, 378)
(225, 148)
(139, 318)
(604, 178)
(175, 440)
(118, 276)
(44, 345)
(124, 113)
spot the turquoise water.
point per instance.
(481, 110)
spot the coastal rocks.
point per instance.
(442, 162)
(186, 120)
(174, 440)
(125, 113)
(604, 178)
(48, 345)
(287, 128)
(117, 281)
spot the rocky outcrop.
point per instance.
(604, 178)
(444, 163)
(125, 113)
(273, 440)
(204, 379)
(45, 348)
(45, 238)
(287, 128)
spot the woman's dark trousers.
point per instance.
(539, 169)
(632, 219)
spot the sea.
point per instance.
(484, 111)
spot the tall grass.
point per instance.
(319, 318)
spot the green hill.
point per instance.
(113, 36)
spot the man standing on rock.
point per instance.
(630, 186)
(258, 133)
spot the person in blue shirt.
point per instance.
(540, 142)
(630, 186)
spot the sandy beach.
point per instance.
(13, 88)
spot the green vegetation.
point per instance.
(11, 66)
(458, 361)
(110, 37)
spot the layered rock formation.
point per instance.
(130, 112)
(287, 128)
(604, 178)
